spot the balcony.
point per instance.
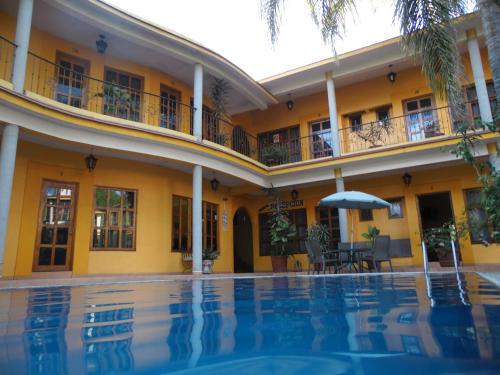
(67, 84)
(7, 49)
(414, 127)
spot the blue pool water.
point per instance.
(296, 325)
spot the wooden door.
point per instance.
(54, 245)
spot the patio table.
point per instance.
(353, 254)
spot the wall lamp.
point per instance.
(101, 44)
(215, 184)
(289, 103)
(294, 194)
(90, 162)
(392, 75)
(407, 179)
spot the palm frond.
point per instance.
(271, 11)
(428, 32)
(329, 16)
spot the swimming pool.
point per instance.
(268, 325)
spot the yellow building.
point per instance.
(114, 160)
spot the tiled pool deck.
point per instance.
(492, 273)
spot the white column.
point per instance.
(23, 29)
(332, 108)
(197, 218)
(10, 133)
(334, 128)
(344, 228)
(478, 73)
(198, 101)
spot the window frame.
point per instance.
(119, 227)
(293, 143)
(470, 102)
(356, 127)
(361, 218)
(397, 199)
(317, 139)
(297, 238)
(63, 56)
(330, 219)
(129, 88)
(205, 204)
(177, 94)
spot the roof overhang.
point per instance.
(134, 39)
(356, 66)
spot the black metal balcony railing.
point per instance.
(314, 146)
(7, 50)
(79, 90)
(218, 129)
(414, 127)
(74, 88)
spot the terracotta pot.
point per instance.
(446, 260)
(207, 266)
(279, 263)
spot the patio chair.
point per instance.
(353, 259)
(316, 257)
(380, 253)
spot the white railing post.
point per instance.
(454, 251)
(424, 255)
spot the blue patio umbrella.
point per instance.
(352, 200)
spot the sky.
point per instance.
(234, 29)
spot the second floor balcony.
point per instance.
(121, 95)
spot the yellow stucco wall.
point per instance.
(155, 186)
(363, 97)
(47, 46)
(450, 179)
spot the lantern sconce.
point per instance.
(101, 44)
(290, 103)
(215, 184)
(294, 194)
(392, 75)
(407, 178)
(90, 162)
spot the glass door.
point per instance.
(54, 246)
(70, 77)
(169, 109)
(420, 122)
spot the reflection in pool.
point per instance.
(294, 325)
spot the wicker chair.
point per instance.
(380, 253)
(316, 257)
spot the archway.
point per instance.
(242, 242)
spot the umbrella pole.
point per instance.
(352, 228)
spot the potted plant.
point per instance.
(274, 154)
(208, 256)
(375, 132)
(438, 240)
(371, 233)
(320, 233)
(281, 230)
